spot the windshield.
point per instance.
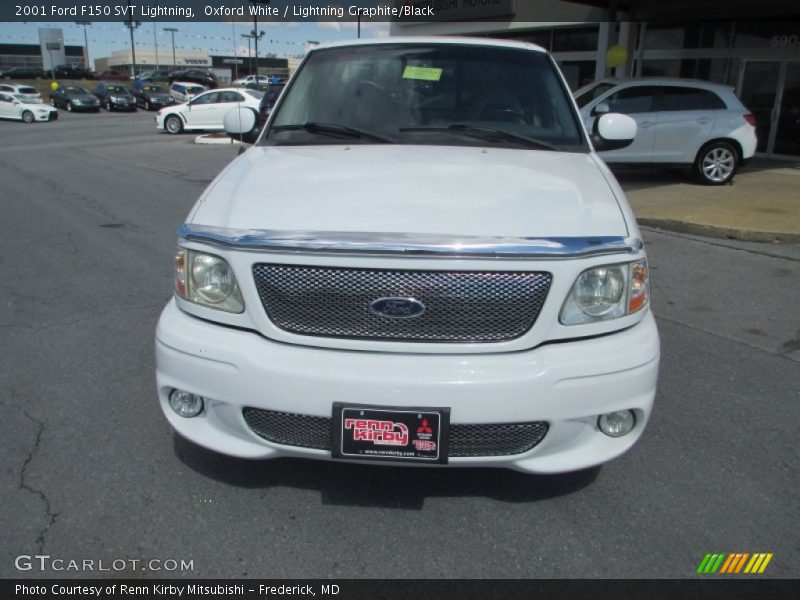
(117, 89)
(74, 89)
(448, 94)
(152, 88)
(25, 99)
(27, 90)
(195, 90)
(586, 95)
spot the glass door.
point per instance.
(787, 111)
(758, 92)
(770, 89)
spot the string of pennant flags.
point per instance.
(190, 44)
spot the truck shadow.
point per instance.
(345, 484)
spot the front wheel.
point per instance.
(108, 105)
(69, 106)
(173, 124)
(716, 163)
(147, 105)
(27, 116)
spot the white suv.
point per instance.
(680, 122)
(421, 260)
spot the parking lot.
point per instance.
(90, 206)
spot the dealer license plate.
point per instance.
(390, 433)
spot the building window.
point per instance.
(662, 36)
(715, 70)
(767, 34)
(575, 40)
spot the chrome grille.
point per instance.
(492, 439)
(463, 306)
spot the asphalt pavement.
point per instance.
(91, 470)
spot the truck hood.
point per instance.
(469, 191)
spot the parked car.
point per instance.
(251, 79)
(152, 97)
(115, 96)
(30, 93)
(69, 72)
(154, 75)
(202, 76)
(680, 122)
(73, 97)
(22, 108)
(415, 264)
(206, 111)
(23, 73)
(111, 74)
(183, 91)
(268, 101)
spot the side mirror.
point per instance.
(239, 121)
(601, 109)
(613, 131)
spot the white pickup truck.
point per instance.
(422, 260)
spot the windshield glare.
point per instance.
(25, 99)
(413, 93)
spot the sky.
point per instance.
(284, 39)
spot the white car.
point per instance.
(680, 122)
(421, 261)
(206, 111)
(182, 91)
(252, 79)
(17, 106)
(30, 93)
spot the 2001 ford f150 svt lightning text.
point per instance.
(421, 260)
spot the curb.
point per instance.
(208, 138)
(716, 231)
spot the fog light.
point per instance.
(185, 404)
(617, 424)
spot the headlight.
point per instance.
(207, 280)
(607, 292)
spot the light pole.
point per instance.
(249, 54)
(257, 36)
(173, 31)
(85, 24)
(155, 43)
(131, 25)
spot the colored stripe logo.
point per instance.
(736, 562)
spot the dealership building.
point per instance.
(753, 47)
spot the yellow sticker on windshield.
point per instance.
(423, 73)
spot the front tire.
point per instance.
(108, 105)
(69, 106)
(173, 124)
(147, 105)
(28, 117)
(716, 163)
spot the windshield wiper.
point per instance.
(333, 129)
(484, 132)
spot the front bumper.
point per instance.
(566, 384)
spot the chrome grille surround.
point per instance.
(472, 440)
(459, 307)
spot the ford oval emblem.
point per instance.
(397, 308)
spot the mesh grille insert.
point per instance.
(464, 306)
(494, 439)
